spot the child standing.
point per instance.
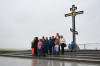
(73, 46)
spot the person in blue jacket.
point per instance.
(43, 47)
(72, 46)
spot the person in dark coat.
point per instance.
(50, 46)
(53, 44)
(43, 47)
(47, 47)
(35, 46)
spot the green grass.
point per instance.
(3, 52)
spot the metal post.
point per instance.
(73, 26)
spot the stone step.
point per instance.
(58, 58)
(67, 53)
(75, 56)
(80, 53)
(63, 56)
(86, 54)
(86, 51)
(68, 56)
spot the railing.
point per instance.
(90, 46)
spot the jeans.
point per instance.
(53, 51)
(56, 50)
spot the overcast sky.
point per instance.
(22, 20)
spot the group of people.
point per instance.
(47, 45)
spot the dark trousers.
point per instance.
(59, 48)
(50, 49)
(46, 50)
(62, 47)
(35, 51)
(43, 51)
(39, 52)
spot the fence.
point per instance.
(90, 46)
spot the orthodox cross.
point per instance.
(73, 14)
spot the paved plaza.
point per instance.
(78, 56)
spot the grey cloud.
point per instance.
(22, 20)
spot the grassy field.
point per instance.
(6, 51)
